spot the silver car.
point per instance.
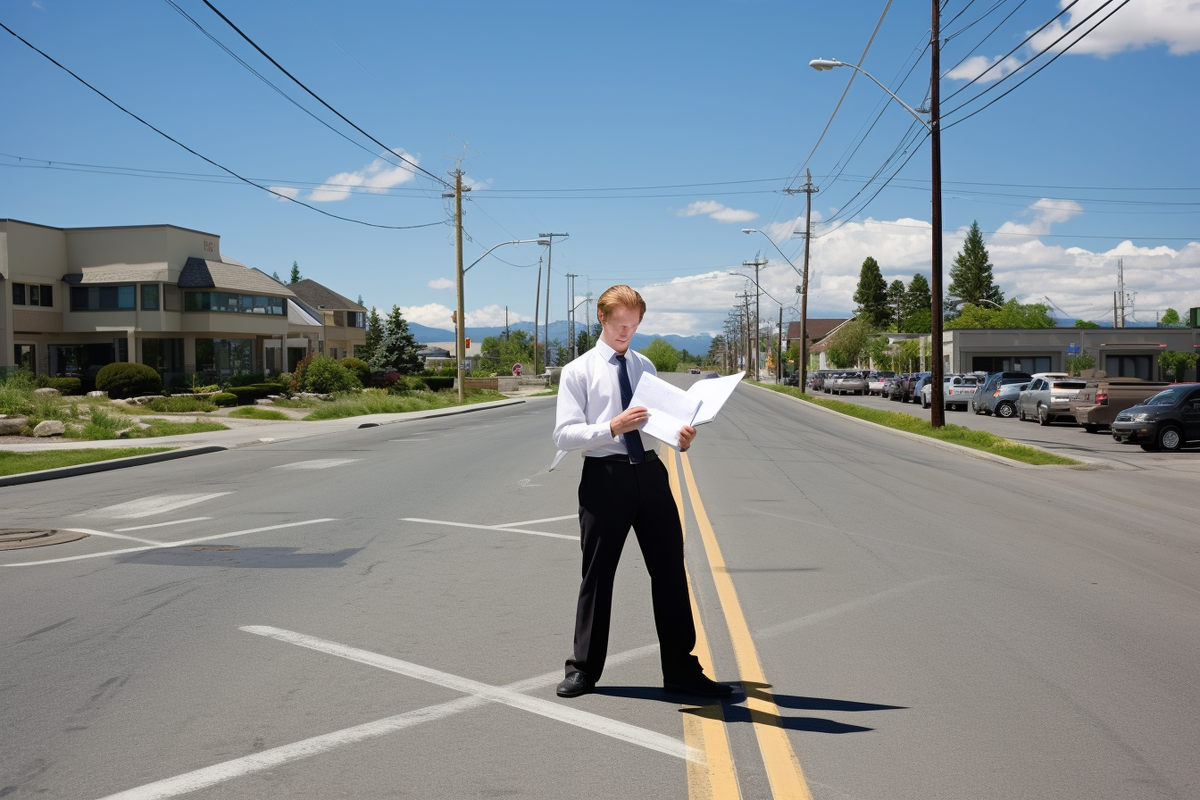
(1048, 397)
(1003, 401)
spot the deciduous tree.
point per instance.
(662, 354)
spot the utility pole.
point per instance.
(549, 264)
(779, 350)
(937, 414)
(571, 276)
(745, 328)
(756, 263)
(460, 317)
(537, 299)
(808, 190)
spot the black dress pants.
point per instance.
(613, 497)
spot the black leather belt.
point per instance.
(619, 458)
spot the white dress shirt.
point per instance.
(589, 396)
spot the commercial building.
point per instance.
(75, 299)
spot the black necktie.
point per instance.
(633, 439)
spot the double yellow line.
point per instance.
(704, 726)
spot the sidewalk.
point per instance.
(241, 433)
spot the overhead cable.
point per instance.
(204, 157)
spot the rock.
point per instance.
(49, 427)
(48, 391)
(12, 426)
(97, 394)
(136, 428)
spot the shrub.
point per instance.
(246, 379)
(325, 376)
(247, 395)
(63, 385)
(409, 383)
(360, 368)
(224, 399)
(437, 383)
(384, 380)
(181, 404)
(125, 379)
(297, 383)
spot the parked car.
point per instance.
(892, 386)
(1048, 397)
(918, 385)
(792, 379)
(876, 379)
(1101, 399)
(851, 383)
(957, 391)
(820, 377)
(1166, 421)
(1004, 400)
(984, 401)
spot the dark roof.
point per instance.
(317, 295)
(814, 329)
(201, 274)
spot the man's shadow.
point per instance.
(736, 709)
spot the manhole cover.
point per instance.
(36, 537)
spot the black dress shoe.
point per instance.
(699, 685)
(574, 685)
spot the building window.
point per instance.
(103, 298)
(165, 355)
(149, 297)
(32, 294)
(356, 319)
(224, 357)
(1128, 366)
(25, 356)
(172, 298)
(233, 303)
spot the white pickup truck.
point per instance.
(957, 390)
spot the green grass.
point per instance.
(179, 404)
(375, 401)
(16, 463)
(955, 434)
(258, 412)
(104, 425)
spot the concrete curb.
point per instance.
(1085, 463)
(105, 466)
(261, 438)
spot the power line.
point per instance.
(317, 97)
(204, 157)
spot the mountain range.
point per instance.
(558, 332)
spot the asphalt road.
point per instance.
(384, 613)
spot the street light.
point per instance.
(757, 322)
(937, 415)
(803, 365)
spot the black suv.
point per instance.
(1165, 421)
(987, 389)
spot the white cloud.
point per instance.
(1174, 23)
(436, 315)
(984, 69)
(38, 5)
(441, 283)
(714, 210)
(286, 191)
(376, 177)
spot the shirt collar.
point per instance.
(607, 352)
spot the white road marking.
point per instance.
(572, 716)
(319, 463)
(91, 532)
(536, 521)
(488, 528)
(149, 506)
(277, 756)
(162, 524)
(161, 545)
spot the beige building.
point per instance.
(75, 299)
(343, 322)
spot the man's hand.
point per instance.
(631, 419)
(686, 434)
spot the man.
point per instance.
(624, 484)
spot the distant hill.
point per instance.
(698, 344)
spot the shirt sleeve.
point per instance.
(572, 431)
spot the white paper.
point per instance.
(713, 392)
(559, 456)
(670, 408)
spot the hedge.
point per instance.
(437, 383)
(126, 379)
(224, 399)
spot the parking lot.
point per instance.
(1061, 437)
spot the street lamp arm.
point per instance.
(822, 64)
(772, 241)
(490, 249)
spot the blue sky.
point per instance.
(652, 133)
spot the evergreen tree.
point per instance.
(295, 278)
(397, 349)
(373, 334)
(872, 295)
(278, 279)
(971, 276)
(918, 300)
(895, 298)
